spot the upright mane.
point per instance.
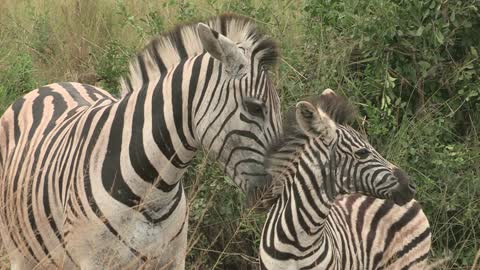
(336, 107)
(169, 49)
(285, 148)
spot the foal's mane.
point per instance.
(169, 49)
(336, 107)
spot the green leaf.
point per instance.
(424, 65)
(440, 37)
(474, 52)
(420, 31)
(452, 17)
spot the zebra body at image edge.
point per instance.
(311, 225)
(91, 181)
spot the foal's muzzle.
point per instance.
(405, 191)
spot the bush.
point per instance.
(16, 77)
(112, 63)
(413, 69)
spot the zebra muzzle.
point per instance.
(259, 195)
(403, 194)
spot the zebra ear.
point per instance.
(314, 122)
(328, 91)
(222, 49)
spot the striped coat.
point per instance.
(91, 181)
(315, 223)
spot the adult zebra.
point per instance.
(90, 181)
(310, 226)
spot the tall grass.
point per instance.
(410, 66)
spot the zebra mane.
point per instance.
(169, 49)
(285, 149)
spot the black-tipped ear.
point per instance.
(221, 48)
(209, 39)
(314, 122)
(328, 91)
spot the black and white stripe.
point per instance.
(91, 181)
(315, 223)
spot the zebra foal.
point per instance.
(93, 182)
(314, 223)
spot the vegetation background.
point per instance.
(411, 67)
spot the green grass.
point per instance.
(411, 67)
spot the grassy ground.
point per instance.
(410, 66)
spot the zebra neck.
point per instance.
(303, 208)
(160, 116)
(313, 201)
(162, 121)
(151, 141)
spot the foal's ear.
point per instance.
(328, 91)
(222, 48)
(314, 122)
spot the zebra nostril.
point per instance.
(412, 186)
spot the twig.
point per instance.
(296, 71)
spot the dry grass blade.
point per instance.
(476, 261)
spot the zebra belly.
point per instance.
(128, 241)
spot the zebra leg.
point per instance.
(109, 261)
(90, 265)
(94, 247)
(174, 257)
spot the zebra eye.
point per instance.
(362, 153)
(254, 108)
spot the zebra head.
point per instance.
(354, 164)
(337, 156)
(242, 116)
